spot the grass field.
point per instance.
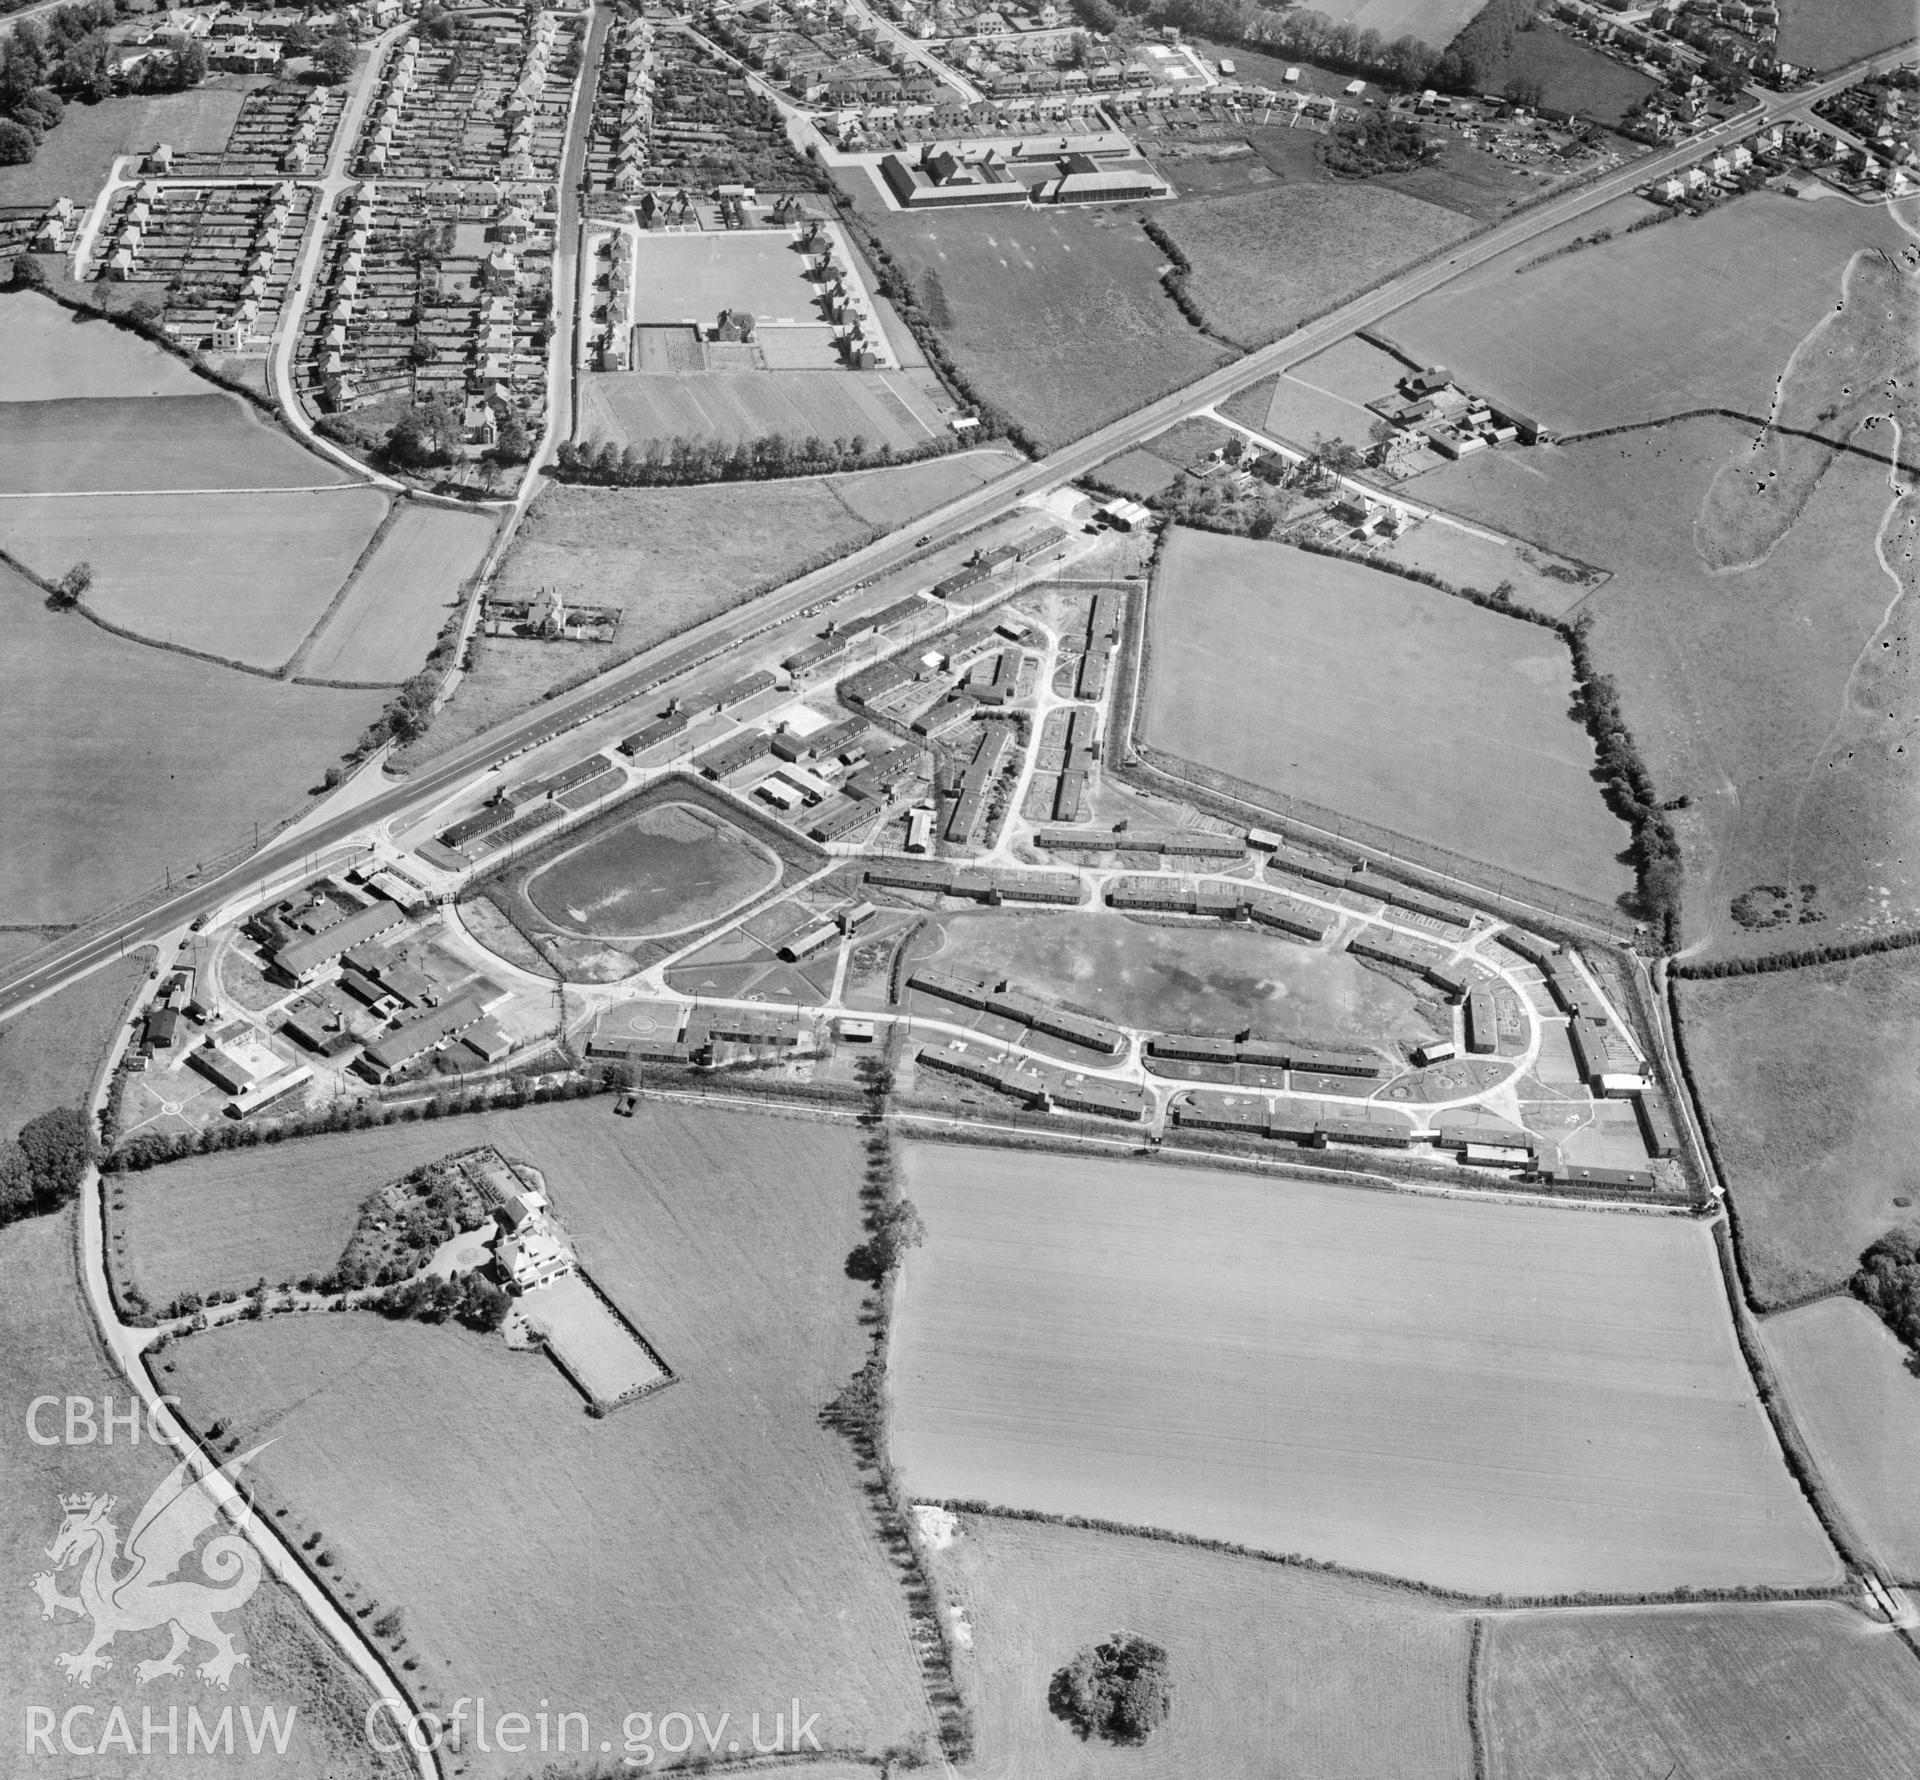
(1737, 291)
(172, 759)
(708, 1545)
(1269, 259)
(49, 1053)
(74, 159)
(1199, 979)
(902, 409)
(1058, 318)
(1756, 692)
(145, 442)
(667, 870)
(402, 596)
(244, 577)
(1809, 1080)
(1819, 35)
(1487, 1397)
(1573, 76)
(1275, 1671)
(1858, 1404)
(49, 354)
(1329, 394)
(1367, 694)
(1716, 1693)
(1435, 22)
(887, 498)
(48, 1348)
(694, 277)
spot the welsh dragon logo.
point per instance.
(148, 1595)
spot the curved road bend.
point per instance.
(436, 781)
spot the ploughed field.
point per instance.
(708, 1545)
(1492, 1398)
(670, 868)
(1354, 690)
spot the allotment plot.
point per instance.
(1487, 1397)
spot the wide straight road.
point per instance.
(422, 790)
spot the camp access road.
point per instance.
(436, 782)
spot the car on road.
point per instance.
(924, 539)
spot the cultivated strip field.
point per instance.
(1858, 1404)
(1337, 1679)
(401, 598)
(1716, 1693)
(1370, 695)
(706, 1544)
(243, 577)
(1487, 1397)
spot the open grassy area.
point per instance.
(48, 1054)
(1384, 700)
(50, 354)
(48, 1348)
(1716, 1693)
(173, 760)
(1271, 258)
(1762, 694)
(243, 577)
(1558, 1404)
(1816, 34)
(887, 498)
(709, 1544)
(76, 156)
(1319, 1675)
(902, 409)
(1058, 317)
(1573, 76)
(1736, 290)
(1858, 1403)
(1810, 1083)
(405, 592)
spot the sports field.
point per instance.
(692, 277)
(405, 592)
(709, 1544)
(1183, 979)
(669, 869)
(898, 408)
(1782, 1692)
(49, 1053)
(1366, 694)
(1269, 259)
(172, 759)
(243, 577)
(1488, 1397)
(207, 440)
(1058, 317)
(1763, 693)
(48, 1348)
(1858, 1404)
(49, 354)
(1816, 34)
(1275, 1671)
(1736, 290)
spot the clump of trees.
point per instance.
(67, 55)
(1888, 1283)
(1119, 1691)
(1360, 148)
(468, 1298)
(42, 1168)
(71, 588)
(426, 436)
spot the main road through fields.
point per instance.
(421, 791)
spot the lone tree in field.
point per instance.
(1118, 1691)
(73, 584)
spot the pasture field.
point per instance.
(886, 498)
(1355, 690)
(48, 1347)
(1846, 1376)
(50, 354)
(1275, 1670)
(1467, 557)
(1754, 691)
(244, 577)
(209, 440)
(709, 1543)
(669, 869)
(1200, 979)
(1817, 35)
(48, 1053)
(404, 593)
(1782, 1692)
(902, 409)
(1271, 258)
(1557, 1405)
(1058, 317)
(1738, 290)
(1329, 394)
(76, 156)
(1809, 1084)
(1573, 76)
(172, 759)
(1435, 22)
